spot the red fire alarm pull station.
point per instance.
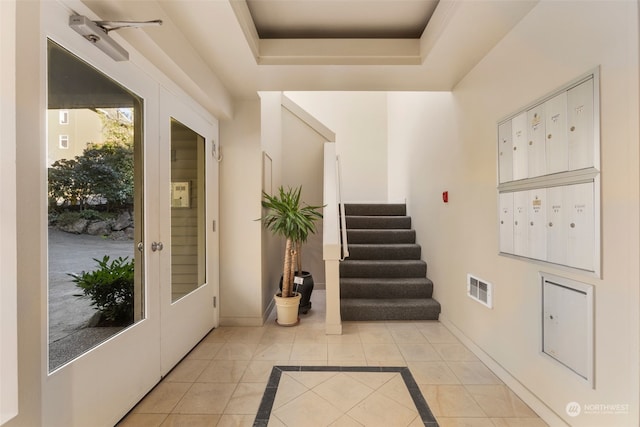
(445, 196)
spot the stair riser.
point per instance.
(389, 312)
(387, 269)
(386, 291)
(382, 252)
(379, 222)
(375, 209)
(381, 236)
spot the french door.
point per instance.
(164, 145)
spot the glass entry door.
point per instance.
(188, 209)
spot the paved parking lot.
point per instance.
(69, 314)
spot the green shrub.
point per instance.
(110, 288)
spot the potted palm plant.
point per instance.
(286, 217)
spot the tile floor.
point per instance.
(221, 382)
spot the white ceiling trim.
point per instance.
(341, 51)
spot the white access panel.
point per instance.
(580, 122)
(536, 158)
(567, 323)
(519, 141)
(557, 231)
(506, 223)
(557, 151)
(520, 225)
(537, 224)
(505, 152)
(581, 238)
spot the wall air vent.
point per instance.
(480, 290)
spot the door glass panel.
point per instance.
(95, 205)
(187, 210)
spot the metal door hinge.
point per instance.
(214, 225)
(215, 302)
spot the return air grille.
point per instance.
(480, 290)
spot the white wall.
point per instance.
(240, 241)
(8, 261)
(450, 144)
(303, 155)
(359, 120)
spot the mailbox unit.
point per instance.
(549, 178)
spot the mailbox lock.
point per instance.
(516, 222)
(549, 136)
(515, 148)
(531, 223)
(501, 222)
(530, 142)
(573, 128)
(573, 225)
(550, 224)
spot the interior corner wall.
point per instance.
(303, 155)
(449, 142)
(359, 120)
(271, 169)
(240, 233)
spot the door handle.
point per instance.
(156, 246)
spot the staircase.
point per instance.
(384, 277)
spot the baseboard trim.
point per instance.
(538, 406)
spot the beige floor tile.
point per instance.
(187, 371)
(435, 332)
(230, 420)
(191, 420)
(454, 352)
(311, 335)
(311, 362)
(311, 379)
(375, 333)
(450, 401)
(465, 422)
(417, 422)
(219, 334)
(163, 398)
(236, 351)
(309, 410)
(345, 351)
(223, 371)
(382, 352)
(288, 389)
(273, 351)
(205, 398)
(432, 373)
(247, 334)
(375, 380)
(259, 371)
(519, 422)
(378, 410)
(418, 351)
(499, 402)
(342, 391)
(473, 373)
(246, 399)
(396, 390)
(309, 351)
(206, 350)
(405, 332)
(274, 421)
(346, 421)
(278, 335)
(142, 420)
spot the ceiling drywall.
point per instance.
(212, 46)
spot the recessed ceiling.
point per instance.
(341, 19)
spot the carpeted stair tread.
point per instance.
(380, 236)
(369, 209)
(384, 251)
(386, 288)
(383, 268)
(378, 221)
(389, 309)
(384, 277)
